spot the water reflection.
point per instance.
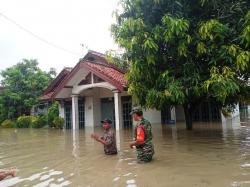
(213, 154)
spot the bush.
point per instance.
(53, 112)
(58, 122)
(24, 121)
(39, 121)
(8, 124)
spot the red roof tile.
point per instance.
(46, 96)
(110, 72)
(100, 67)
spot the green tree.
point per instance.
(185, 51)
(23, 85)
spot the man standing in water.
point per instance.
(108, 138)
(142, 136)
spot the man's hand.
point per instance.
(95, 136)
(132, 144)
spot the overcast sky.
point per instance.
(64, 23)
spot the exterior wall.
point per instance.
(96, 107)
(179, 113)
(89, 112)
(154, 116)
(93, 105)
(234, 114)
(76, 78)
(104, 93)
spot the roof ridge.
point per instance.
(96, 53)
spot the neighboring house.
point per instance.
(95, 89)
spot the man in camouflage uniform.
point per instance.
(143, 139)
(107, 139)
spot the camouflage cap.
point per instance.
(106, 120)
(136, 109)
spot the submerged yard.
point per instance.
(213, 154)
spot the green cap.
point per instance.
(136, 110)
(106, 120)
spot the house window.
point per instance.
(81, 111)
(68, 109)
(126, 109)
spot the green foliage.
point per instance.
(222, 84)
(23, 85)
(39, 121)
(117, 59)
(24, 121)
(53, 112)
(185, 51)
(8, 124)
(58, 122)
(227, 110)
(181, 52)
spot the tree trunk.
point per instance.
(188, 116)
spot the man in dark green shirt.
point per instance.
(142, 136)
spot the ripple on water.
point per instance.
(46, 177)
(245, 165)
(131, 183)
(45, 158)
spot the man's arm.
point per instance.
(99, 139)
(140, 136)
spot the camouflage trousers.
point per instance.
(145, 153)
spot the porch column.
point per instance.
(75, 113)
(62, 112)
(61, 109)
(117, 110)
(172, 111)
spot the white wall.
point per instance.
(96, 107)
(179, 113)
(103, 93)
(234, 114)
(154, 116)
(89, 113)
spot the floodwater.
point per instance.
(213, 154)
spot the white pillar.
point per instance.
(75, 113)
(61, 110)
(117, 110)
(172, 111)
(75, 151)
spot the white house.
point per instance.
(95, 89)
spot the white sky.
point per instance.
(65, 23)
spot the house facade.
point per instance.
(95, 89)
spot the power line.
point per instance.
(35, 35)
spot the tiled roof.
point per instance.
(100, 67)
(110, 72)
(55, 83)
(46, 96)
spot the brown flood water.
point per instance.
(213, 154)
